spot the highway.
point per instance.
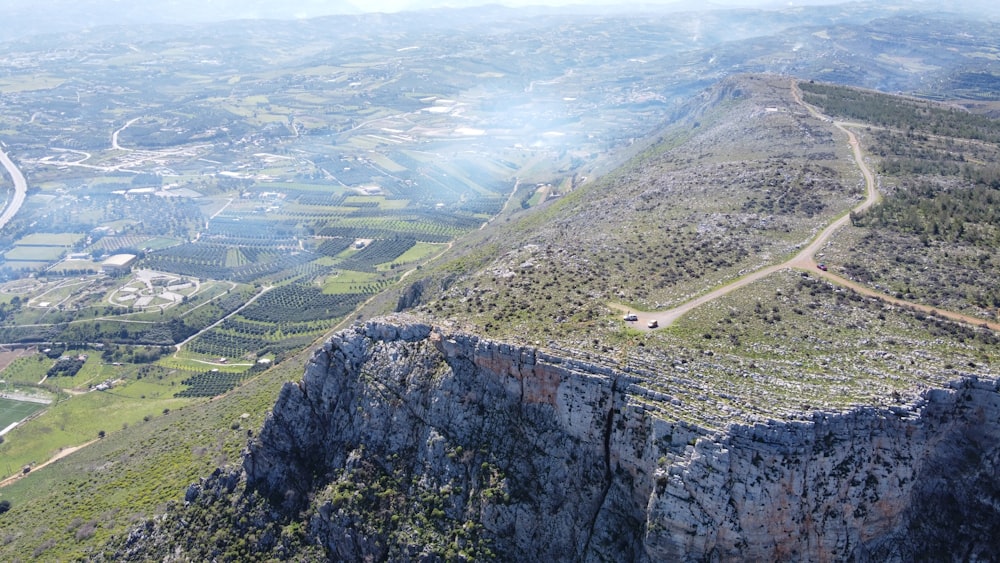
(20, 189)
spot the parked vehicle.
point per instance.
(631, 317)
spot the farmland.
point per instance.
(12, 411)
(260, 214)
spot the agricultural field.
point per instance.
(50, 239)
(282, 320)
(13, 411)
(102, 389)
(213, 382)
(34, 253)
(261, 217)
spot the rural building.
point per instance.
(118, 264)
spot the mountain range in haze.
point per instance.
(24, 18)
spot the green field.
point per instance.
(28, 84)
(76, 420)
(346, 281)
(387, 163)
(12, 411)
(35, 253)
(160, 243)
(420, 251)
(50, 239)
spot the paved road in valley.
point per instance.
(114, 135)
(235, 312)
(20, 189)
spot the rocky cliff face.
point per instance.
(547, 455)
(555, 458)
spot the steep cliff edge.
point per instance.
(898, 484)
(539, 451)
(406, 441)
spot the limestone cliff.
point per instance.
(554, 458)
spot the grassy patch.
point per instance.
(131, 472)
(30, 369)
(421, 251)
(35, 253)
(159, 243)
(50, 239)
(75, 420)
(12, 411)
(387, 163)
(29, 83)
(195, 363)
(380, 201)
(346, 281)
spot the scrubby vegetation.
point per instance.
(932, 238)
(689, 214)
(790, 338)
(904, 114)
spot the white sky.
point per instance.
(398, 5)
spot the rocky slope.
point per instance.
(785, 422)
(537, 456)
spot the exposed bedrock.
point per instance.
(562, 459)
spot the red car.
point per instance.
(821, 267)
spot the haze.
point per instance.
(29, 17)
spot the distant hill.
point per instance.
(56, 16)
(26, 17)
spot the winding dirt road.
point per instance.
(805, 259)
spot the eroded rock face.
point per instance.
(559, 459)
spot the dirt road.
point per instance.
(805, 259)
(62, 453)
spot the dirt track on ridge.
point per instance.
(805, 259)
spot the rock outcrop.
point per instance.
(869, 484)
(549, 458)
(591, 474)
(549, 455)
